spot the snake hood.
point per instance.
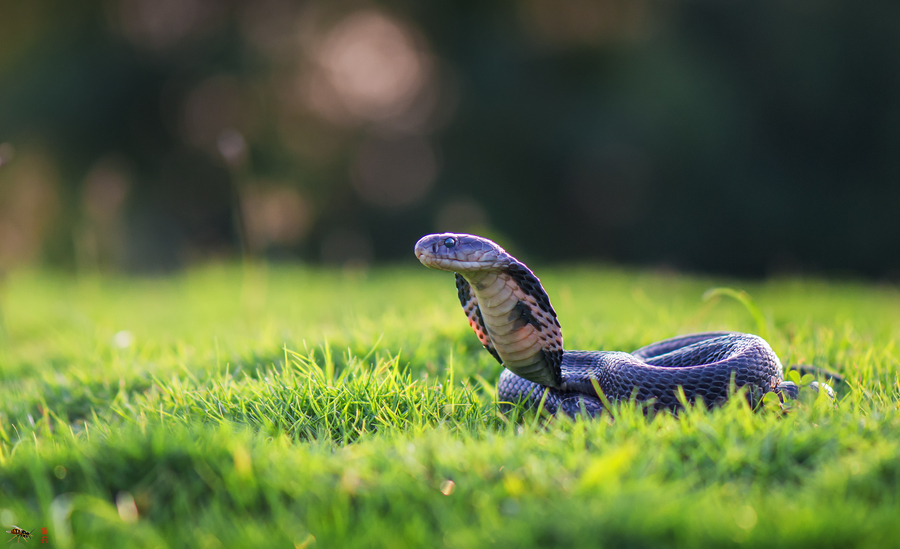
(505, 303)
(510, 312)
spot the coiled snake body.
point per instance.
(511, 314)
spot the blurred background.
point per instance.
(748, 138)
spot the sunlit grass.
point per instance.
(296, 407)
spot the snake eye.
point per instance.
(450, 242)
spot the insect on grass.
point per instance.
(18, 534)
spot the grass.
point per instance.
(293, 407)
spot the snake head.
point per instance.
(461, 253)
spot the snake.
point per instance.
(510, 312)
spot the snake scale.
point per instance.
(511, 314)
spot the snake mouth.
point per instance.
(460, 253)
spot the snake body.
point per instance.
(511, 314)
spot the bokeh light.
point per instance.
(29, 206)
(7, 153)
(232, 146)
(743, 138)
(215, 109)
(275, 214)
(100, 240)
(372, 65)
(394, 173)
(105, 188)
(161, 24)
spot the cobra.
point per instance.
(512, 316)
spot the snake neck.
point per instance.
(520, 322)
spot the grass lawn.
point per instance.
(292, 407)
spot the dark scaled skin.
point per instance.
(511, 314)
(701, 365)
